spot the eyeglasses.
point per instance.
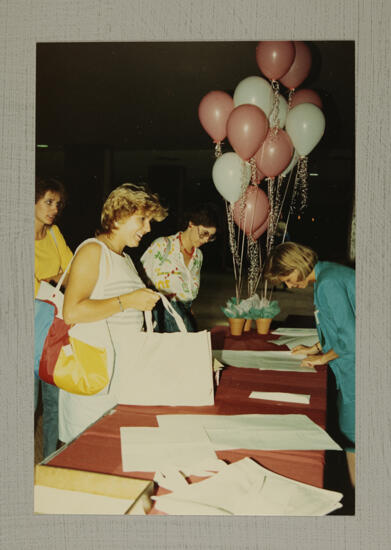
(210, 237)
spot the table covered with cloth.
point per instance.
(98, 448)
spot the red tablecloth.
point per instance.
(98, 448)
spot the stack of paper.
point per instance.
(281, 396)
(263, 360)
(268, 432)
(293, 341)
(246, 488)
(295, 331)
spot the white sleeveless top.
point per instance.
(117, 275)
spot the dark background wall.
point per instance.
(115, 112)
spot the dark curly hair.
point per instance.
(44, 184)
(206, 214)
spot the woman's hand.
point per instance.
(305, 350)
(143, 299)
(314, 360)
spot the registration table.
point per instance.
(98, 448)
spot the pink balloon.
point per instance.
(259, 176)
(300, 67)
(213, 113)
(261, 230)
(306, 96)
(255, 211)
(275, 57)
(247, 127)
(275, 153)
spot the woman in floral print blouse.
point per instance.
(173, 265)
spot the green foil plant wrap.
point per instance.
(232, 310)
(251, 308)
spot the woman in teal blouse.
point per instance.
(335, 315)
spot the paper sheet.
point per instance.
(264, 360)
(293, 341)
(173, 479)
(295, 331)
(255, 431)
(246, 488)
(157, 449)
(281, 396)
(48, 500)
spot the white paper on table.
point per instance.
(49, 500)
(170, 479)
(295, 331)
(264, 360)
(246, 488)
(157, 449)
(174, 479)
(255, 431)
(281, 396)
(293, 341)
(205, 468)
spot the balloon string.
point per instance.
(285, 193)
(241, 264)
(303, 175)
(286, 227)
(276, 107)
(233, 245)
(290, 98)
(253, 171)
(300, 188)
(281, 179)
(218, 152)
(252, 254)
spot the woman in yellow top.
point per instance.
(52, 256)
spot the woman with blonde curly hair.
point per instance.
(335, 313)
(104, 284)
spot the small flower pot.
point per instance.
(263, 325)
(236, 326)
(247, 325)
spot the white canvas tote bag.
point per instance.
(168, 369)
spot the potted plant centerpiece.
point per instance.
(262, 310)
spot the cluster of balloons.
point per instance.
(273, 134)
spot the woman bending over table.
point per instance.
(104, 284)
(52, 256)
(335, 314)
(173, 265)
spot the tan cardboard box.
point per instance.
(64, 481)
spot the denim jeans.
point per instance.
(49, 415)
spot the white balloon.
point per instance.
(292, 164)
(228, 173)
(256, 91)
(282, 112)
(305, 125)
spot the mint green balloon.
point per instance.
(229, 171)
(305, 126)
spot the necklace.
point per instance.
(183, 247)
